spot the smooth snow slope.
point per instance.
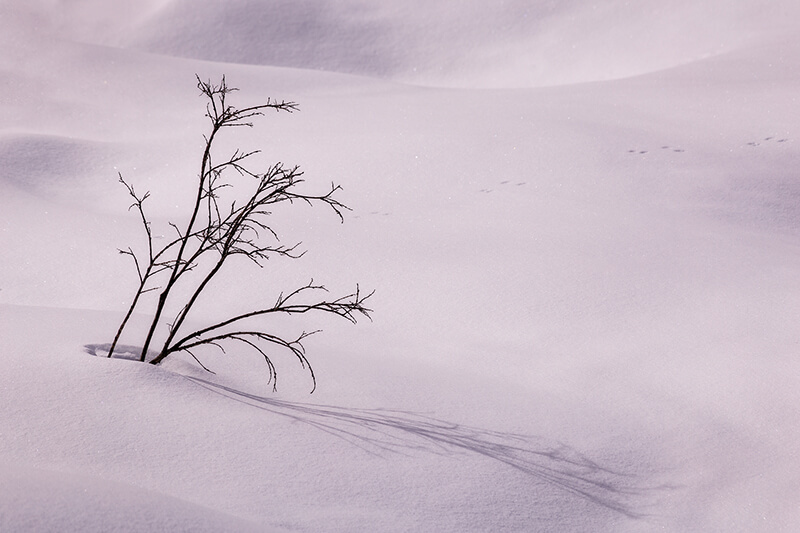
(511, 43)
(452, 43)
(587, 293)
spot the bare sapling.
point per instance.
(218, 231)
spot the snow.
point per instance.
(581, 221)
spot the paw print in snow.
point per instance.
(768, 139)
(665, 147)
(375, 213)
(504, 183)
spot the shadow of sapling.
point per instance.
(377, 430)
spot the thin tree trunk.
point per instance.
(162, 299)
(127, 317)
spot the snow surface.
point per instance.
(582, 221)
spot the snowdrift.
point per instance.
(581, 222)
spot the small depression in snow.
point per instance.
(764, 203)
(121, 351)
(44, 164)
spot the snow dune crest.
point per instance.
(448, 43)
(453, 44)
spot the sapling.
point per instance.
(217, 233)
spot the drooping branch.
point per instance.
(252, 339)
(347, 307)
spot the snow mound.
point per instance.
(48, 501)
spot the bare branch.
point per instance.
(198, 361)
(250, 338)
(347, 307)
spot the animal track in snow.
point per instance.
(641, 151)
(759, 142)
(504, 183)
(375, 213)
(768, 139)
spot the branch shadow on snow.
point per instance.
(378, 430)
